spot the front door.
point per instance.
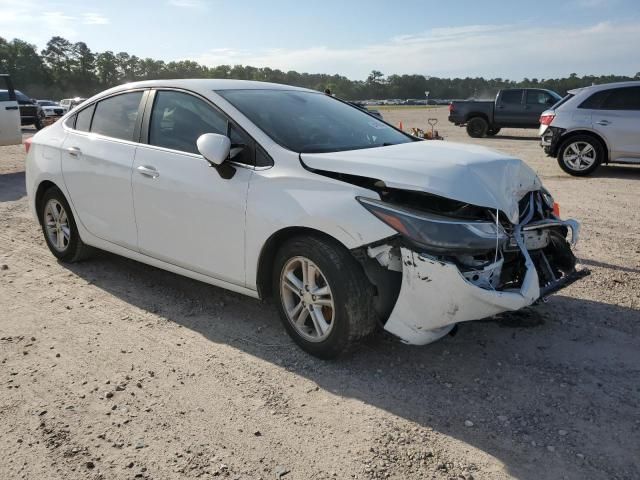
(97, 157)
(10, 132)
(187, 214)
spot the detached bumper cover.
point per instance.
(435, 295)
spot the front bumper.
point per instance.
(435, 295)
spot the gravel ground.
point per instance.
(112, 369)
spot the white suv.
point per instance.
(594, 125)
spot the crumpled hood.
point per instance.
(467, 173)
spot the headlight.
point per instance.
(437, 233)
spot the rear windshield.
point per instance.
(308, 122)
(564, 100)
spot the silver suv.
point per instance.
(593, 125)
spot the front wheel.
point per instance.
(493, 131)
(580, 155)
(323, 296)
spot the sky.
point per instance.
(445, 38)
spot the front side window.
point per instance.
(540, 97)
(178, 119)
(511, 97)
(309, 122)
(116, 116)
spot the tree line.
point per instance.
(67, 69)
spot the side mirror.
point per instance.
(214, 148)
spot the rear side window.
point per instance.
(116, 116)
(511, 97)
(83, 119)
(595, 100)
(178, 119)
(4, 96)
(626, 98)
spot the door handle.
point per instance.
(14, 107)
(74, 151)
(148, 171)
(603, 122)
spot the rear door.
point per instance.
(97, 158)
(618, 119)
(10, 132)
(510, 111)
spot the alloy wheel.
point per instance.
(307, 299)
(579, 155)
(57, 225)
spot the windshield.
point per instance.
(308, 122)
(47, 103)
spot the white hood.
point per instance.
(467, 173)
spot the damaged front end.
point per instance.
(453, 262)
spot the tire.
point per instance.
(477, 127)
(38, 124)
(72, 248)
(493, 131)
(348, 319)
(580, 155)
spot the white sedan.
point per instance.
(282, 192)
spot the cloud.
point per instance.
(508, 51)
(25, 19)
(94, 19)
(186, 3)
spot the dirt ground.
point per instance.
(112, 369)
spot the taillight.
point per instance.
(451, 107)
(27, 143)
(547, 119)
(556, 209)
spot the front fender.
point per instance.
(284, 198)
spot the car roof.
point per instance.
(605, 86)
(206, 85)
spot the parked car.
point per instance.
(51, 109)
(593, 125)
(69, 103)
(512, 108)
(370, 111)
(10, 133)
(30, 112)
(286, 193)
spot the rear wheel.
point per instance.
(477, 127)
(493, 131)
(580, 155)
(59, 228)
(323, 296)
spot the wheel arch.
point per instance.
(472, 115)
(591, 133)
(43, 186)
(270, 249)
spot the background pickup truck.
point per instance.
(512, 108)
(10, 133)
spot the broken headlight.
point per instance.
(436, 233)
